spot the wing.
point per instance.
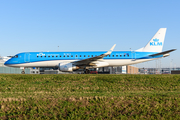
(92, 59)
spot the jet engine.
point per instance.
(67, 67)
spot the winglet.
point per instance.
(110, 51)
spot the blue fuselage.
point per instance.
(22, 59)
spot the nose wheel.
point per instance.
(23, 72)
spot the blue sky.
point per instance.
(88, 25)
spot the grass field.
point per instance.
(89, 96)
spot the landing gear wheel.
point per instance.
(87, 71)
(23, 72)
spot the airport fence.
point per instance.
(11, 70)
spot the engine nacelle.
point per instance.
(67, 67)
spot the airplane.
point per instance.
(69, 61)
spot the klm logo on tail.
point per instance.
(156, 42)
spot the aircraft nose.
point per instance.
(6, 63)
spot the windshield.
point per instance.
(16, 56)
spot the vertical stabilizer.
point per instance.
(156, 43)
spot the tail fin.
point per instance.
(156, 43)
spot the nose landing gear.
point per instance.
(23, 70)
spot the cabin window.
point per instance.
(76, 55)
(92, 55)
(109, 55)
(53, 56)
(116, 55)
(48, 56)
(44, 56)
(41, 56)
(88, 55)
(67, 55)
(128, 55)
(80, 56)
(120, 55)
(37, 56)
(113, 55)
(56, 56)
(64, 56)
(71, 55)
(60, 56)
(84, 55)
(124, 55)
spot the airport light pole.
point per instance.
(160, 65)
(175, 66)
(171, 65)
(156, 67)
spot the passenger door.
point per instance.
(27, 57)
(133, 53)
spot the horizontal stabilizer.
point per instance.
(162, 53)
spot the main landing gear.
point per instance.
(23, 70)
(86, 71)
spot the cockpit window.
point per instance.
(16, 56)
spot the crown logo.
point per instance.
(155, 40)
